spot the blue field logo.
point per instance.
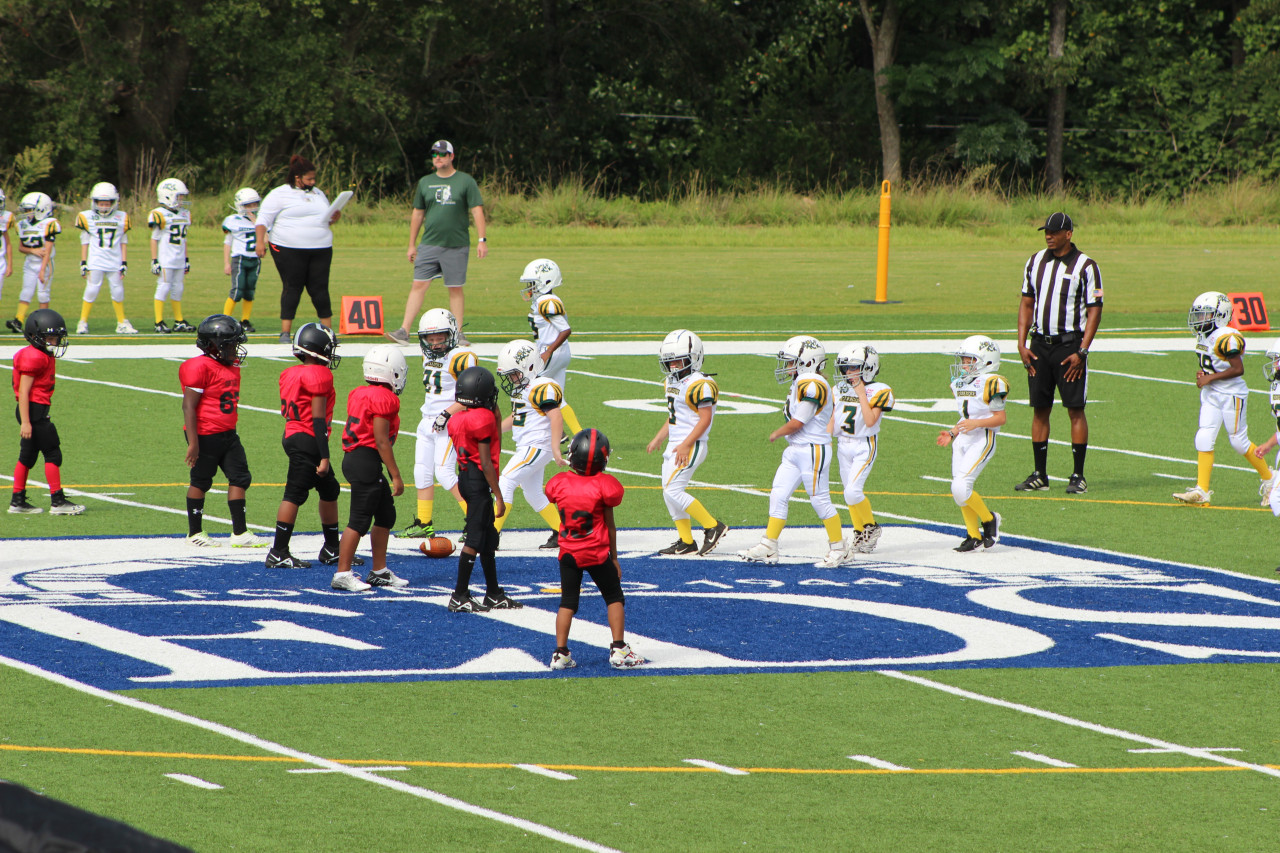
(150, 612)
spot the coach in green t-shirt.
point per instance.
(440, 207)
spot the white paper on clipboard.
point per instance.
(339, 203)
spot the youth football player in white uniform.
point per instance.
(550, 327)
(807, 457)
(691, 408)
(37, 232)
(536, 427)
(1224, 396)
(1271, 370)
(6, 245)
(239, 256)
(980, 395)
(434, 457)
(169, 264)
(104, 245)
(860, 401)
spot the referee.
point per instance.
(1060, 310)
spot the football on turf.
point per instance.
(437, 546)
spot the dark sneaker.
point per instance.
(386, 577)
(13, 326)
(248, 327)
(679, 548)
(969, 544)
(417, 530)
(162, 329)
(553, 542)
(466, 605)
(991, 530)
(400, 336)
(329, 557)
(1035, 482)
(183, 326)
(276, 560)
(1076, 485)
(711, 538)
(502, 602)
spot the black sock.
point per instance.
(238, 525)
(195, 516)
(564, 650)
(617, 644)
(1040, 453)
(466, 562)
(284, 532)
(1077, 456)
(332, 535)
(489, 563)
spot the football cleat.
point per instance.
(329, 556)
(82, 328)
(201, 540)
(1195, 496)
(764, 551)
(867, 539)
(183, 326)
(417, 530)
(838, 554)
(13, 326)
(276, 560)
(621, 657)
(124, 327)
(162, 329)
(348, 582)
(991, 530)
(19, 505)
(1264, 489)
(501, 602)
(386, 577)
(1035, 482)
(563, 660)
(1076, 485)
(711, 538)
(969, 544)
(248, 327)
(679, 548)
(247, 540)
(552, 542)
(59, 505)
(465, 605)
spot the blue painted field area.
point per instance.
(128, 613)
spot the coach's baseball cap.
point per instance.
(442, 146)
(1055, 222)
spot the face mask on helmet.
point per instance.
(1271, 369)
(437, 333)
(45, 330)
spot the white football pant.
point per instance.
(809, 464)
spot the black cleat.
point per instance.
(502, 602)
(248, 327)
(679, 548)
(1035, 482)
(466, 605)
(991, 530)
(330, 557)
(711, 538)
(553, 542)
(276, 560)
(969, 544)
(1076, 485)
(13, 326)
(183, 326)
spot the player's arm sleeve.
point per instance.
(547, 396)
(702, 393)
(883, 399)
(994, 392)
(611, 491)
(1229, 346)
(82, 223)
(804, 411)
(461, 361)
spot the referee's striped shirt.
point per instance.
(1062, 289)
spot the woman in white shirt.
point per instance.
(296, 214)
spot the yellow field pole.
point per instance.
(882, 250)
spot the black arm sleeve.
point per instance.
(322, 436)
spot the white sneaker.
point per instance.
(764, 551)
(624, 658)
(563, 661)
(248, 540)
(124, 327)
(201, 540)
(385, 578)
(349, 582)
(82, 328)
(837, 555)
(1194, 495)
(867, 539)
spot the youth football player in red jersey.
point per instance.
(477, 436)
(33, 379)
(210, 406)
(306, 402)
(586, 496)
(373, 422)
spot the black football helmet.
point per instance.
(476, 388)
(589, 452)
(319, 342)
(221, 337)
(42, 324)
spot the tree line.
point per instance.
(639, 96)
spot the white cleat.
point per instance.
(838, 555)
(765, 551)
(201, 540)
(624, 658)
(867, 539)
(385, 578)
(1266, 487)
(563, 661)
(349, 582)
(247, 540)
(124, 327)
(1195, 496)
(82, 328)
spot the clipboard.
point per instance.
(339, 203)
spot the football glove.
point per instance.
(84, 268)
(441, 421)
(186, 265)
(124, 267)
(155, 266)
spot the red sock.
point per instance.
(54, 476)
(20, 472)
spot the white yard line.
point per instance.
(711, 765)
(280, 749)
(1044, 759)
(194, 780)
(543, 771)
(877, 762)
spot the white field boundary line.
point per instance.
(280, 749)
(1190, 751)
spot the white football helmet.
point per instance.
(35, 206)
(800, 354)
(385, 363)
(977, 355)
(860, 357)
(1210, 310)
(245, 197)
(2, 199)
(104, 198)
(1271, 369)
(539, 277)
(518, 365)
(174, 194)
(681, 346)
(437, 321)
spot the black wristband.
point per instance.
(1082, 352)
(319, 425)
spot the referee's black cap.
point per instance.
(1057, 222)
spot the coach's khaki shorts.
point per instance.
(442, 262)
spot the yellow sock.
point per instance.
(550, 516)
(177, 310)
(685, 529)
(85, 308)
(1204, 467)
(500, 521)
(462, 504)
(118, 307)
(424, 510)
(159, 303)
(228, 306)
(834, 533)
(699, 513)
(971, 523)
(861, 513)
(976, 504)
(246, 308)
(570, 419)
(22, 311)
(773, 529)
(1259, 465)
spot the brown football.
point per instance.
(437, 546)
